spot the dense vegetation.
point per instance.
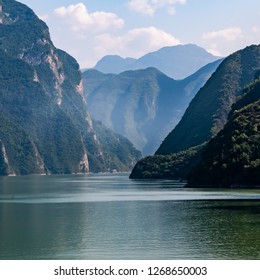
(208, 111)
(45, 125)
(232, 158)
(174, 166)
(28, 95)
(23, 157)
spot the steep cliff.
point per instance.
(41, 94)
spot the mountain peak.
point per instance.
(177, 62)
(181, 48)
(14, 12)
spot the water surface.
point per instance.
(112, 217)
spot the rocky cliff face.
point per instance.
(36, 92)
(1, 12)
(41, 94)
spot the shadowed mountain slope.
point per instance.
(208, 111)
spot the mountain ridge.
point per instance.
(177, 62)
(135, 103)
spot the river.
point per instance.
(108, 216)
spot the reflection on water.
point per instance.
(112, 217)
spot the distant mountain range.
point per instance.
(177, 62)
(55, 120)
(142, 105)
(221, 140)
(45, 127)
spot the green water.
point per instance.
(112, 217)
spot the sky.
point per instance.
(91, 29)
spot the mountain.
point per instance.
(177, 62)
(45, 125)
(115, 64)
(172, 167)
(142, 105)
(208, 111)
(232, 157)
(117, 152)
(205, 117)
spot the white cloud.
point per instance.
(213, 49)
(90, 36)
(135, 42)
(141, 6)
(223, 42)
(151, 36)
(149, 7)
(172, 11)
(78, 18)
(256, 29)
(229, 34)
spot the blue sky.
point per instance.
(90, 29)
